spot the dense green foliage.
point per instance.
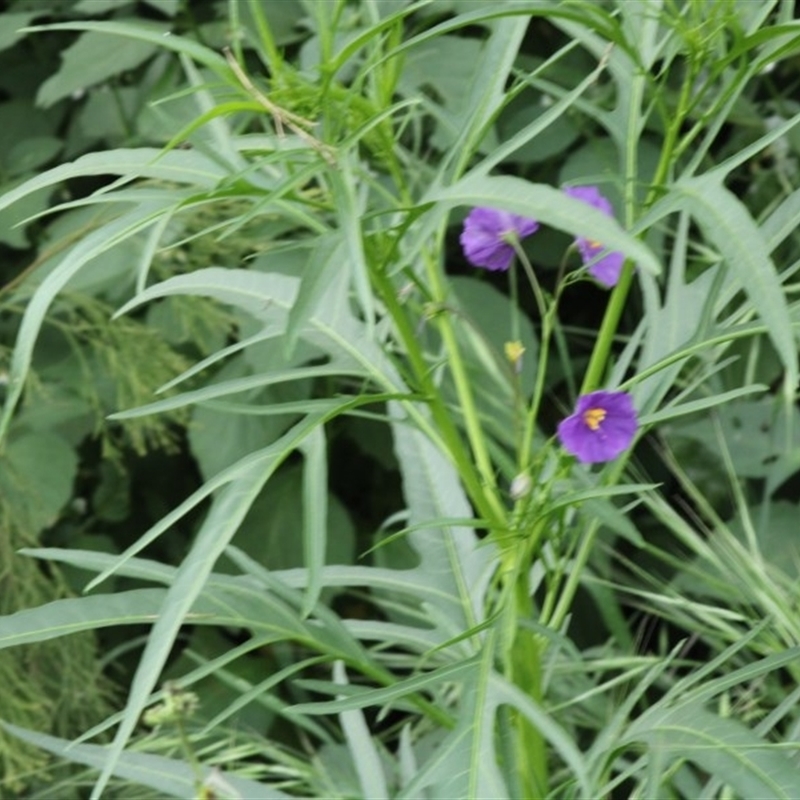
(280, 516)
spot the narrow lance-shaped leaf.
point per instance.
(362, 747)
(721, 747)
(167, 776)
(729, 227)
(227, 512)
(315, 514)
(93, 245)
(181, 166)
(450, 556)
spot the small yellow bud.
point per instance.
(514, 351)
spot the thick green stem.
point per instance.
(521, 655)
(445, 425)
(472, 423)
(531, 746)
(608, 330)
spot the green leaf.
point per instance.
(219, 438)
(19, 121)
(364, 698)
(485, 95)
(93, 58)
(776, 529)
(71, 615)
(450, 66)
(182, 166)
(269, 297)
(91, 246)
(255, 292)
(167, 7)
(316, 287)
(33, 152)
(37, 471)
(166, 775)
(757, 434)
(362, 746)
(11, 24)
(238, 385)
(315, 514)
(410, 583)
(782, 222)
(490, 311)
(273, 532)
(153, 34)
(13, 220)
(450, 557)
(551, 731)
(92, 8)
(722, 747)
(727, 224)
(532, 133)
(227, 512)
(692, 407)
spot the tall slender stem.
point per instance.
(608, 329)
(472, 423)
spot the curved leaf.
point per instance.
(549, 206)
(166, 775)
(722, 747)
(181, 166)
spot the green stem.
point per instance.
(447, 428)
(547, 314)
(472, 422)
(189, 755)
(514, 290)
(471, 418)
(531, 748)
(579, 562)
(266, 39)
(521, 655)
(608, 329)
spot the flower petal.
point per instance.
(605, 270)
(486, 233)
(594, 437)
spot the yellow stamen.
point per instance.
(593, 417)
(594, 244)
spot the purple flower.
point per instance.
(606, 269)
(488, 233)
(602, 427)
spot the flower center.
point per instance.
(593, 417)
(595, 245)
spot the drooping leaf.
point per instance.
(728, 225)
(721, 747)
(549, 206)
(167, 776)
